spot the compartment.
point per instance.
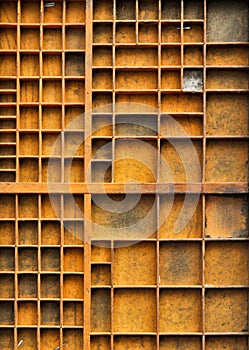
(30, 336)
(52, 65)
(186, 103)
(170, 217)
(137, 57)
(6, 313)
(7, 262)
(50, 233)
(180, 311)
(29, 144)
(100, 342)
(134, 310)
(75, 64)
(73, 286)
(100, 310)
(193, 80)
(170, 33)
(7, 176)
(8, 39)
(180, 263)
(75, 12)
(75, 39)
(147, 10)
(73, 233)
(73, 314)
(52, 92)
(30, 39)
(193, 9)
(181, 126)
(29, 65)
(50, 313)
(51, 144)
(102, 171)
(7, 337)
(73, 337)
(171, 79)
(27, 313)
(170, 56)
(52, 39)
(73, 259)
(100, 275)
(7, 233)
(193, 56)
(102, 80)
(7, 286)
(134, 342)
(102, 125)
(29, 91)
(102, 102)
(171, 9)
(227, 79)
(51, 170)
(102, 56)
(8, 12)
(53, 14)
(227, 161)
(51, 118)
(232, 30)
(136, 125)
(74, 144)
(102, 33)
(27, 259)
(27, 286)
(131, 265)
(29, 118)
(74, 117)
(231, 342)
(226, 310)
(102, 148)
(75, 92)
(227, 56)
(102, 10)
(227, 114)
(50, 206)
(226, 216)
(100, 252)
(135, 160)
(7, 98)
(7, 206)
(181, 161)
(187, 343)
(49, 338)
(74, 170)
(125, 33)
(147, 33)
(28, 170)
(8, 65)
(28, 233)
(50, 259)
(195, 34)
(126, 10)
(30, 12)
(28, 206)
(136, 80)
(50, 286)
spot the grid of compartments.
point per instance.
(189, 74)
(41, 271)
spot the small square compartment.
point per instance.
(74, 117)
(50, 259)
(225, 56)
(101, 252)
(75, 64)
(74, 233)
(73, 206)
(102, 342)
(27, 286)
(73, 337)
(50, 286)
(27, 259)
(7, 233)
(30, 39)
(126, 10)
(6, 314)
(28, 206)
(74, 170)
(8, 65)
(187, 342)
(51, 170)
(136, 57)
(102, 56)
(6, 334)
(7, 286)
(193, 9)
(52, 39)
(75, 12)
(192, 80)
(8, 39)
(100, 310)
(125, 33)
(51, 144)
(171, 56)
(171, 33)
(53, 14)
(180, 311)
(75, 92)
(170, 79)
(182, 103)
(75, 38)
(102, 33)
(29, 144)
(73, 260)
(229, 341)
(102, 102)
(28, 170)
(50, 313)
(103, 10)
(50, 233)
(171, 9)
(7, 206)
(134, 310)
(30, 336)
(30, 12)
(136, 80)
(29, 117)
(147, 33)
(123, 342)
(102, 79)
(73, 287)
(74, 144)
(29, 91)
(73, 314)
(102, 125)
(29, 65)
(28, 233)
(147, 10)
(52, 91)
(227, 79)
(51, 118)
(50, 338)
(101, 275)
(102, 149)
(193, 55)
(49, 210)
(194, 34)
(102, 172)
(52, 65)
(8, 14)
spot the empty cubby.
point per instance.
(52, 65)
(102, 79)
(8, 65)
(7, 286)
(102, 33)
(136, 80)
(102, 125)
(101, 171)
(126, 10)
(28, 233)
(27, 259)
(147, 33)
(74, 117)
(50, 259)
(30, 336)
(51, 91)
(50, 286)
(30, 12)
(50, 313)
(100, 275)
(7, 259)
(51, 170)
(100, 310)
(73, 314)
(102, 56)
(171, 9)
(7, 233)
(27, 286)
(52, 39)
(74, 233)
(29, 91)
(170, 33)
(125, 33)
(28, 206)
(29, 65)
(171, 79)
(30, 39)
(53, 14)
(193, 9)
(194, 34)
(75, 12)
(171, 56)
(49, 338)
(73, 260)
(51, 118)
(50, 206)
(73, 286)
(75, 38)
(7, 206)
(103, 10)
(75, 92)
(8, 12)
(8, 39)
(51, 144)
(74, 337)
(193, 55)
(73, 170)
(50, 233)
(102, 149)
(147, 10)
(6, 313)
(75, 64)
(28, 170)
(74, 144)
(29, 118)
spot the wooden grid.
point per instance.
(189, 290)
